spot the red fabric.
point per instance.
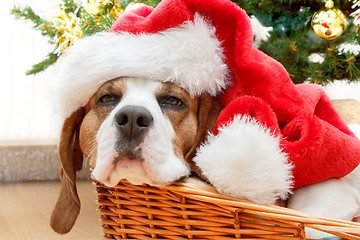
(317, 141)
(252, 107)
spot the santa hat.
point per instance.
(168, 44)
(206, 46)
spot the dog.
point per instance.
(141, 130)
(142, 103)
(148, 132)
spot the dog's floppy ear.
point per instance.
(67, 207)
(208, 111)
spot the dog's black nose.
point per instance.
(133, 121)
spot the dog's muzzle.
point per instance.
(132, 123)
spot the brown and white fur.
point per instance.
(149, 132)
(166, 126)
(163, 131)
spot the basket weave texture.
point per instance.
(189, 211)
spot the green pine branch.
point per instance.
(278, 7)
(293, 40)
(152, 3)
(51, 59)
(91, 24)
(45, 27)
(124, 3)
(70, 6)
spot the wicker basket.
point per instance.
(189, 211)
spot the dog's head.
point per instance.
(135, 129)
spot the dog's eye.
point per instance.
(174, 101)
(171, 102)
(108, 99)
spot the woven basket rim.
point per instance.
(342, 228)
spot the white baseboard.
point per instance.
(32, 163)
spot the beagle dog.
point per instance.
(135, 129)
(148, 132)
(158, 119)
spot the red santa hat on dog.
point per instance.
(206, 46)
(169, 44)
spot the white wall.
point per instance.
(25, 104)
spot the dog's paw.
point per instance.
(244, 160)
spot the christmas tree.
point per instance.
(293, 41)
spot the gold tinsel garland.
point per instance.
(68, 24)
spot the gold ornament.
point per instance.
(69, 27)
(329, 23)
(132, 6)
(97, 7)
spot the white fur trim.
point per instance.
(244, 160)
(188, 55)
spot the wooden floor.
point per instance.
(25, 210)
